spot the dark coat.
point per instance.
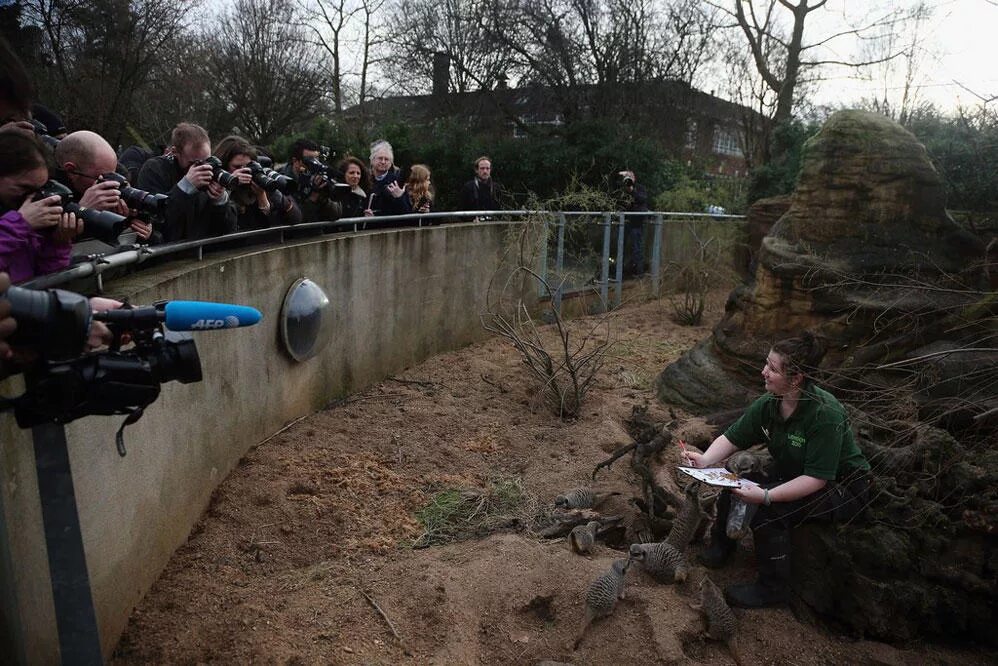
(187, 216)
(383, 203)
(481, 195)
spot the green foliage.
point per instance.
(964, 150)
(693, 191)
(779, 174)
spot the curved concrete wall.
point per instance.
(399, 296)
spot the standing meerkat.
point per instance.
(581, 498)
(721, 622)
(688, 519)
(583, 537)
(662, 561)
(602, 595)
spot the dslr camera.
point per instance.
(219, 174)
(140, 200)
(101, 224)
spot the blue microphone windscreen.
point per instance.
(202, 316)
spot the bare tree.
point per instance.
(330, 20)
(898, 78)
(103, 54)
(265, 69)
(783, 57)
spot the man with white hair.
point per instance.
(387, 195)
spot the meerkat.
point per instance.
(664, 562)
(688, 519)
(721, 622)
(581, 498)
(602, 595)
(745, 463)
(583, 537)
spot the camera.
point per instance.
(219, 174)
(42, 132)
(101, 224)
(67, 384)
(268, 179)
(136, 198)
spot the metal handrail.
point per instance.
(95, 264)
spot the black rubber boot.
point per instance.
(721, 547)
(773, 586)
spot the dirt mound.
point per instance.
(306, 552)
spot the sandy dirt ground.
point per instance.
(305, 555)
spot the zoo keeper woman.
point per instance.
(820, 473)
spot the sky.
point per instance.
(959, 46)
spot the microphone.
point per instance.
(182, 316)
(205, 316)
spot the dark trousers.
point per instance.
(839, 501)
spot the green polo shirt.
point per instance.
(815, 441)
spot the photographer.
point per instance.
(313, 196)
(199, 206)
(387, 196)
(632, 198)
(256, 208)
(81, 158)
(35, 236)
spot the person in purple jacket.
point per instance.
(35, 236)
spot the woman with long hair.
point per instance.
(354, 173)
(257, 208)
(419, 189)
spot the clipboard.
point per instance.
(717, 476)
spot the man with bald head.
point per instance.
(81, 158)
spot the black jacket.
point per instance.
(481, 195)
(250, 217)
(383, 203)
(187, 216)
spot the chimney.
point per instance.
(441, 73)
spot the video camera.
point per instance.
(135, 198)
(66, 384)
(101, 224)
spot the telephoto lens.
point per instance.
(101, 224)
(262, 178)
(220, 175)
(136, 198)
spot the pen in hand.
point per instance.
(686, 454)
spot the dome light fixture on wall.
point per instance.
(306, 320)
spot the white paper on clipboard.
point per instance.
(717, 476)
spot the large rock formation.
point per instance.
(866, 243)
(867, 255)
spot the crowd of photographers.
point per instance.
(57, 191)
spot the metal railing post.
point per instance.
(619, 287)
(656, 257)
(543, 256)
(560, 262)
(604, 273)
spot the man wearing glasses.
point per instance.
(81, 158)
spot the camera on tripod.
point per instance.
(101, 224)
